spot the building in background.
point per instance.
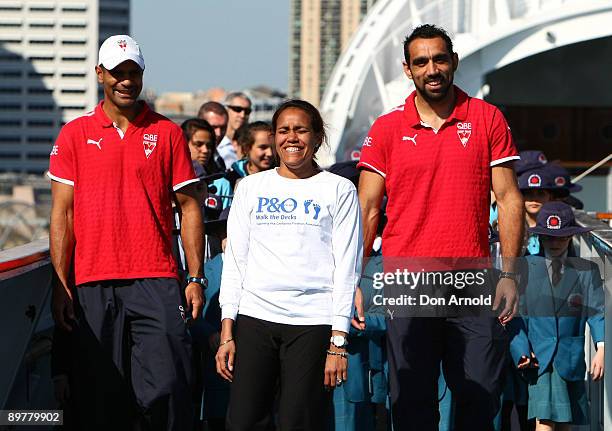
(179, 106)
(48, 52)
(319, 31)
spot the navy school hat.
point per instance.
(536, 179)
(530, 159)
(347, 170)
(561, 178)
(557, 219)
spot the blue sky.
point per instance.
(193, 45)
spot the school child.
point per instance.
(355, 401)
(563, 185)
(537, 187)
(206, 332)
(361, 401)
(562, 295)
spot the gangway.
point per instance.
(488, 35)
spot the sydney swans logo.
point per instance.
(149, 143)
(464, 131)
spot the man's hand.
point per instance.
(506, 290)
(359, 322)
(597, 365)
(62, 307)
(195, 299)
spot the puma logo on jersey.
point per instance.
(408, 138)
(96, 143)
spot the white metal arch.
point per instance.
(488, 34)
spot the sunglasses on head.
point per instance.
(239, 109)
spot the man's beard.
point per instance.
(430, 96)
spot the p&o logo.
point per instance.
(285, 209)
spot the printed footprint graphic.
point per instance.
(317, 210)
(307, 205)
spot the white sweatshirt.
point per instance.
(294, 250)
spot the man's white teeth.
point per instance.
(292, 149)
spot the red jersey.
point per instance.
(123, 188)
(438, 182)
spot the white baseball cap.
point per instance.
(117, 49)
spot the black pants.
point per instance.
(270, 356)
(132, 367)
(472, 351)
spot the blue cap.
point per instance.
(530, 159)
(557, 219)
(536, 179)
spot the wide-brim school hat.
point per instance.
(557, 219)
(347, 170)
(538, 178)
(530, 159)
(561, 178)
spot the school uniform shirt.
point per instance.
(553, 319)
(549, 267)
(294, 250)
(123, 185)
(226, 151)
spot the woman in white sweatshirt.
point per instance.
(292, 262)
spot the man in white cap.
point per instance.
(115, 172)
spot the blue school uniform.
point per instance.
(367, 365)
(215, 397)
(552, 325)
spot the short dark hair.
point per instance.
(192, 125)
(215, 107)
(427, 31)
(316, 121)
(246, 138)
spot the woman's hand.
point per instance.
(336, 364)
(597, 365)
(226, 352)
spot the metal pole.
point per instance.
(591, 169)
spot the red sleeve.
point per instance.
(373, 151)
(500, 141)
(182, 168)
(61, 159)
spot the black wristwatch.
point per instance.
(511, 275)
(202, 281)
